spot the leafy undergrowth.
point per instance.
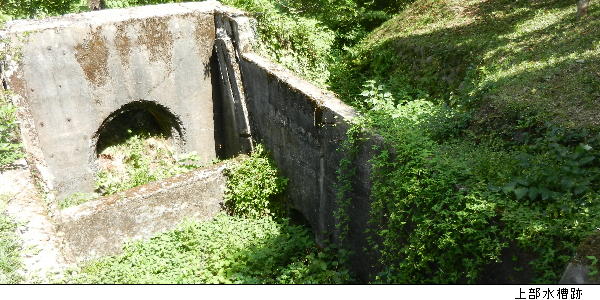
(488, 108)
(10, 147)
(225, 250)
(455, 203)
(458, 211)
(489, 169)
(138, 160)
(254, 187)
(10, 247)
(254, 244)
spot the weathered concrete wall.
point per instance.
(303, 126)
(195, 60)
(70, 73)
(101, 227)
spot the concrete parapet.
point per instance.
(101, 227)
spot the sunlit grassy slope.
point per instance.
(501, 57)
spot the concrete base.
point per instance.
(101, 227)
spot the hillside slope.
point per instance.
(489, 110)
(508, 57)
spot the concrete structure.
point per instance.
(74, 73)
(101, 227)
(191, 65)
(303, 127)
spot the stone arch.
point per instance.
(140, 115)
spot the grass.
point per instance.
(500, 56)
(10, 247)
(10, 146)
(139, 159)
(489, 111)
(475, 94)
(254, 244)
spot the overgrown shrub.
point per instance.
(447, 208)
(255, 188)
(139, 160)
(19, 9)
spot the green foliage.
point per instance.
(76, 199)
(349, 19)
(438, 212)
(554, 165)
(593, 265)
(224, 250)
(491, 56)
(10, 247)
(139, 160)
(300, 43)
(431, 228)
(19, 9)
(254, 187)
(345, 175)
(10, 148)
(129, 3)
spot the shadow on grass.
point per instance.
(507, 55)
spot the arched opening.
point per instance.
(138, 143)
(144, 118)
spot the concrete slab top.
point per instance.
(101, 17)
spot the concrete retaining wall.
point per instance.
(303, 127)
(101, 227)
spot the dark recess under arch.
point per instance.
(141, 117)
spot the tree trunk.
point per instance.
(582, 8)
(96, 4)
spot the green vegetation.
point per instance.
(489, 170)
(254, 187)
(10, 148)
(10, 247)
(76, 199)
(140, 159)
(227, 249)
(19, 9)
(491, 153)
(491, 56)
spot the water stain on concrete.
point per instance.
(157, 38)
(123, 43)
(92, 56)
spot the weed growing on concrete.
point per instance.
(139, 160)
(345, 175)
(76, 199)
